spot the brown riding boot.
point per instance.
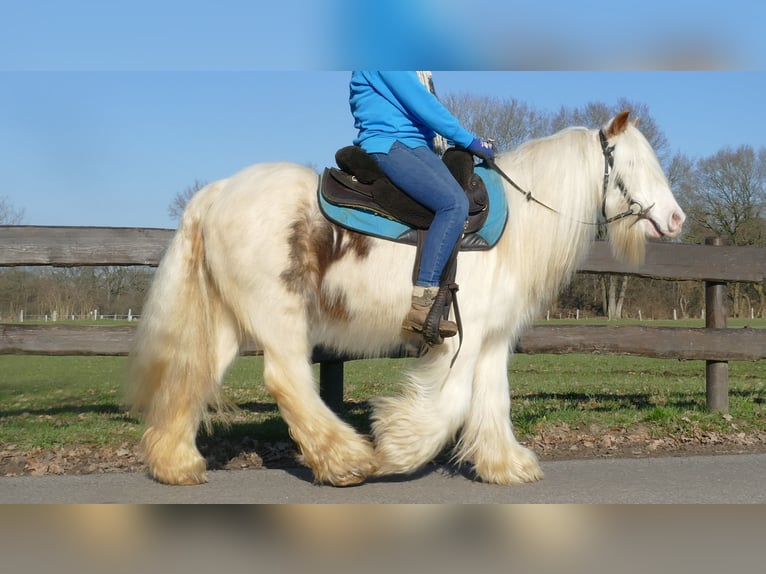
(422, 300)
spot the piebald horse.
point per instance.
(253, 257)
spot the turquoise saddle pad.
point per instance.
(376, 225)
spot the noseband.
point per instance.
(634, 207)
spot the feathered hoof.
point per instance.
(346, 476)
(180, 477)
(520, 468)
(343, 468)
(172, 462)
(353, 478)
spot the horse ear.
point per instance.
(619, 124)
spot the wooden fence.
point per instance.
(714, 263)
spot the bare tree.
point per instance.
(597, 114)
(507, 121)
(177, 206)
(10, 279)
(9, 215)
(728, 198)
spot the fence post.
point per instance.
(330, 377)
(331, 383)
(716, 372)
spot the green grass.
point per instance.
(47, 402)
(616, 391)
(53, 401)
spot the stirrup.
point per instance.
(438, 312)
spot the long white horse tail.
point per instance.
(174, 363)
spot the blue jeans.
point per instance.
(422, 175)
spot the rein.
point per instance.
(608, 152)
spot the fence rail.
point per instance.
(99, 246)
(657, 342)
(715, 264)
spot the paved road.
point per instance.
(703, 479)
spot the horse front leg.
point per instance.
(333, 450)
(410, 429)
(487, 439)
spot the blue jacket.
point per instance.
(391, 106)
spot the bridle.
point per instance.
(634, 207)
(641, 212)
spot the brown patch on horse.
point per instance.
(332, 243)
(314, 249)
(300, 266)
(619, 124)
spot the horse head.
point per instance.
(637, 200)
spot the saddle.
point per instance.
(359, 183)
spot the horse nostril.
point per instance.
(677, 220)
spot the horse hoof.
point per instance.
(354, 478)
(190, 478)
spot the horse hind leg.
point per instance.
(188, 385)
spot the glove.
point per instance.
(482, 149)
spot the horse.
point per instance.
(253, 257)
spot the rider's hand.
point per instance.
(482, 149)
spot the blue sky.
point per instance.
(108, 109)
